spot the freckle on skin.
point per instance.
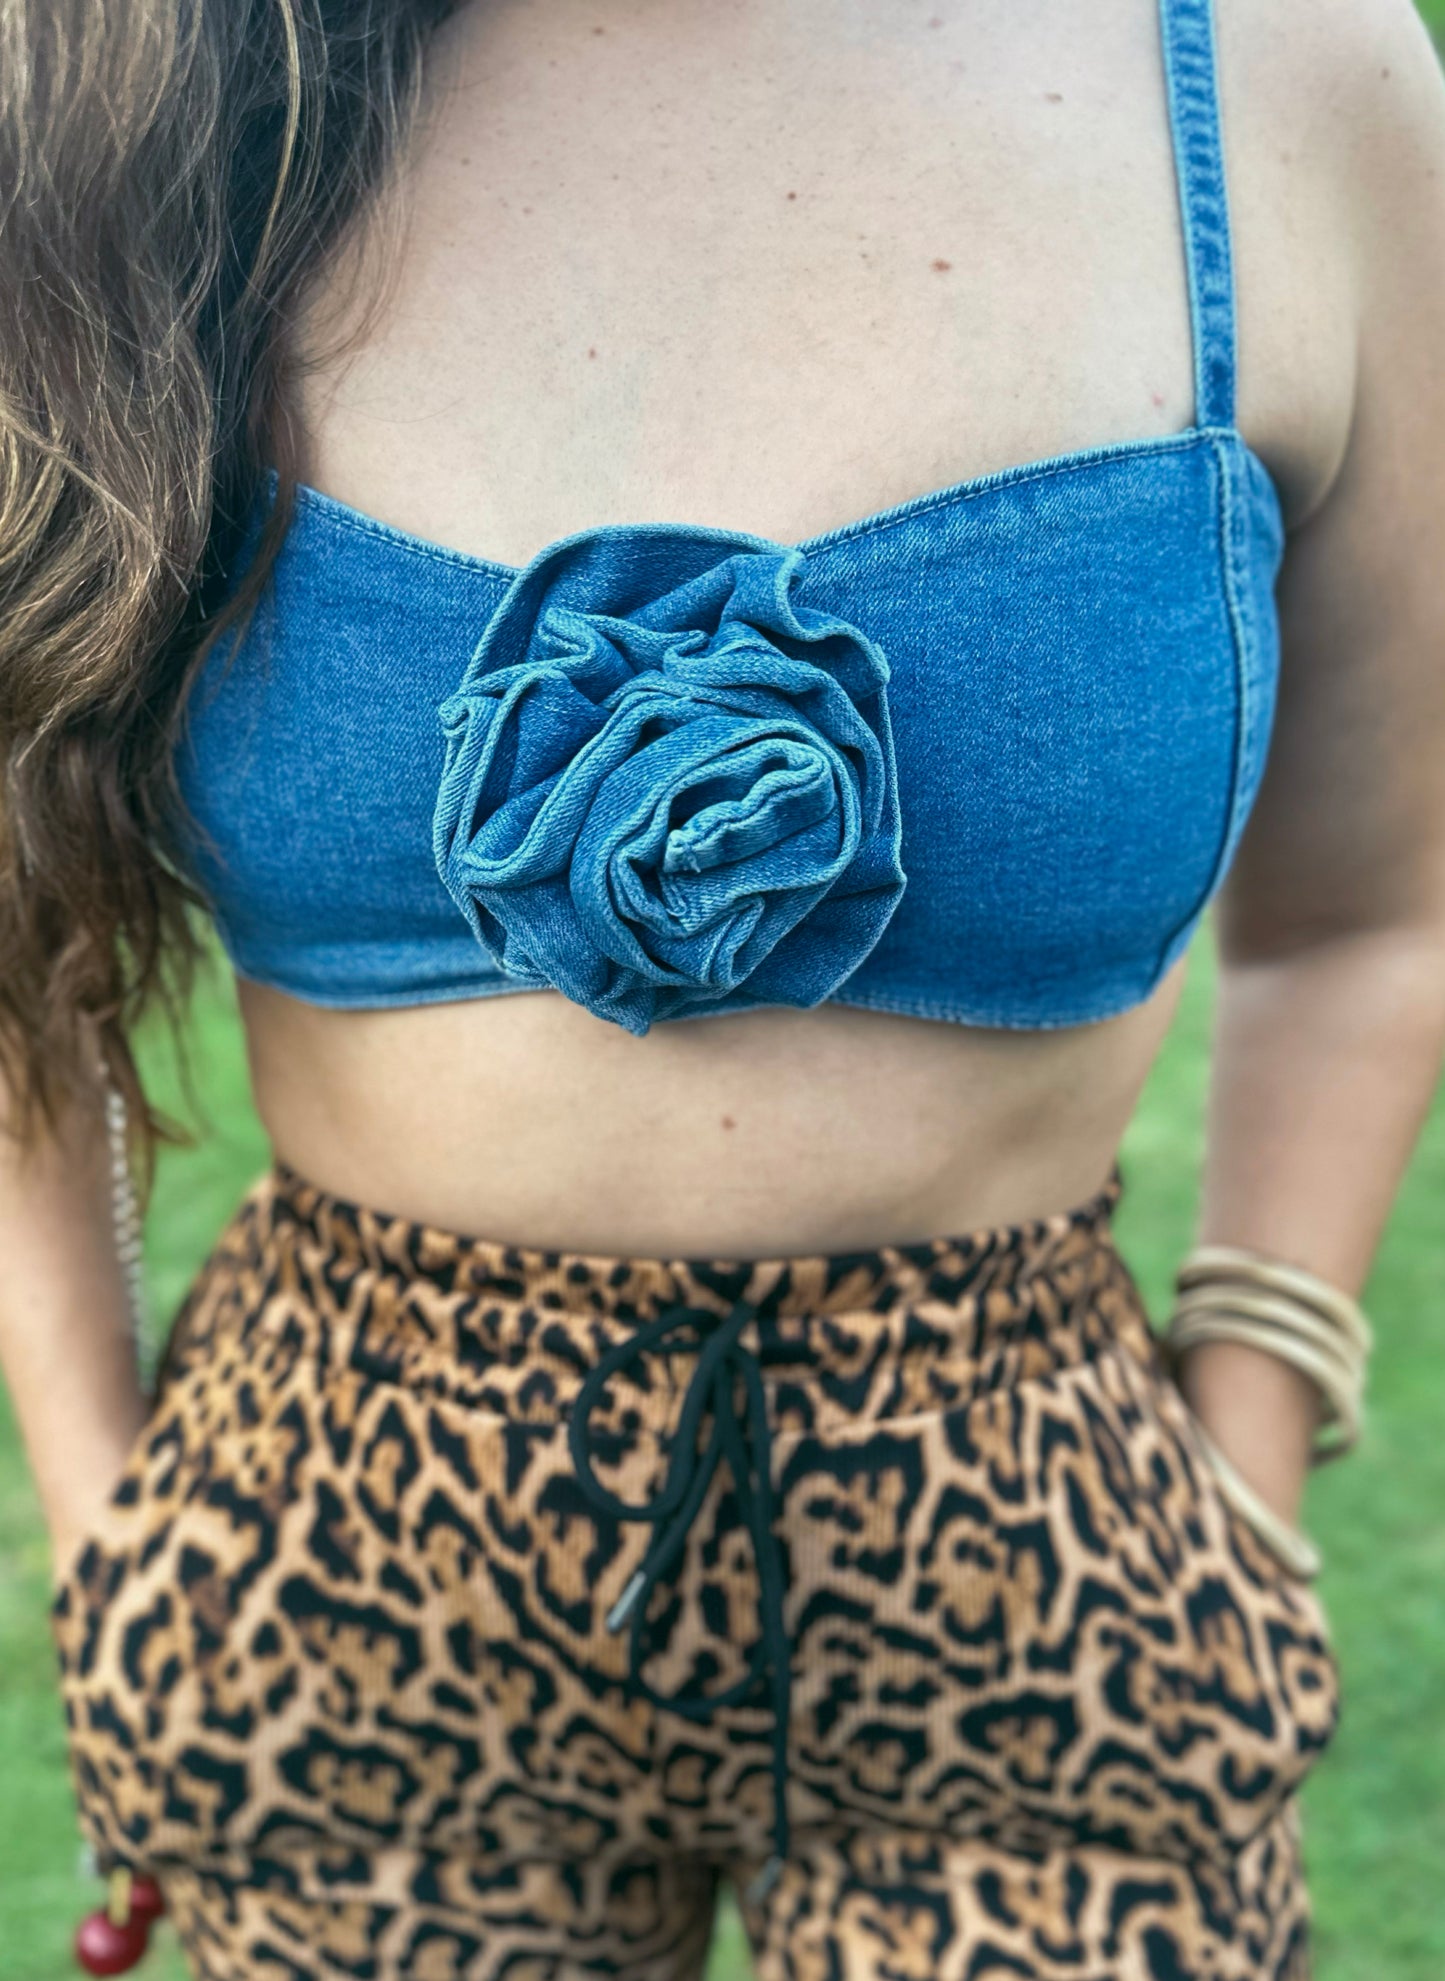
(940, 264)
(592, 350)
(1384, 75)
(728, 1122)
(1053, 96)
(792, 195)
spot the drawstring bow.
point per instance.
(742, 1436)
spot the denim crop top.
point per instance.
(983, 756)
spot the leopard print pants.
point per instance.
(337, 1664)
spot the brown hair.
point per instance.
(171, 172)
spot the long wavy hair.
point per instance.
(172, 173)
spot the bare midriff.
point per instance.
(770, 268)
(524, 1117)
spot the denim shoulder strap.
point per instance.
(1187, 32)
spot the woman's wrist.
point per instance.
(1260, 1411)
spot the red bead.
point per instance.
(146, 1899)
(102, 1947)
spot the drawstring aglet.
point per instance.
(740, 1434)
(759, 1888)
(626, 1603)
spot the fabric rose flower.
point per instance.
(669, 787)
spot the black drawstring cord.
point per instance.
(743, 1438)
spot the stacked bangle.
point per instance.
(1229, 1293)
(1226, 1293)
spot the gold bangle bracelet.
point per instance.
(1289, 1545)
(1340, 1430)
(1231, 1293)
(1288, 1314)
(1338, 1368)
(1236, 1262)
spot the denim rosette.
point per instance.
(669, 786)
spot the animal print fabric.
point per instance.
(335, 1664)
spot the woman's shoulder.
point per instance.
(1333, 119)
(1350, 92)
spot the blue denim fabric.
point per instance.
(982, 756)
(669, 786)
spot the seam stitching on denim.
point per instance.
(336, 515)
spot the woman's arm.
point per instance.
(1330, 1022)
(65, 1345)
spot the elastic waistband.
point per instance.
(839, 1337)
(1000, 1260)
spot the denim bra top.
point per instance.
(982, 756)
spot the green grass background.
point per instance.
(1375, 1805)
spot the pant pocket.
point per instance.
(151, 1446)
(1277, 1671)
(1250, 1544)
(145, 1618)
(176, 1420)
(147, 1486)
(1034, 1617)
(99, 1661)
(1217, 1468)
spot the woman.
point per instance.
(829, 524)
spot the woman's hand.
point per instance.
(75, 1499)
(1260, 1411)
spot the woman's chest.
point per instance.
(764, 268)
